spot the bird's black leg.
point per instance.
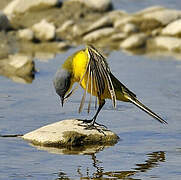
(92, 122)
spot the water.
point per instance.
(146, 150)
(132, 6)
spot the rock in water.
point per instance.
(70, 133)
(44, 31)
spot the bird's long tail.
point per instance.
(146, 109)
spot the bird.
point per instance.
(89, 69)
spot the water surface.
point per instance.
(146, 150)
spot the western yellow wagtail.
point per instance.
(89, 68)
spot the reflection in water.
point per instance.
(83, 150)
(153, 160)
(25, 79)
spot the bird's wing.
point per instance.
(99, 75)
(121, 87)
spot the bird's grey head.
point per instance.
(62, 81)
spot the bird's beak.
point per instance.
(62, 101)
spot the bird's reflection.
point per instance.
(154, 159)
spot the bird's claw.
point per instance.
(91, 124)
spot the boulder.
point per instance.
(4, 22)
(164, 16)
(101, 5)
(165, 43)
(70, 133)
(22, 6)
(63, 28)
(22, 64)
(134, 41)
(119, 23)
(129, 28)
(173, 28)
(26, 34)
(119, 36)
(44, 31)
(149, 10)
(103, 22)
(98, 34)
(18, 67)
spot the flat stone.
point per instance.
(26, 34)
(168, 43)
(103, 22)
(63, 28)
(149, 10)
(70, 133)
(18, 67)
(95, 35)
(124, 20)
(129, 28)
(164, 16)
(134, 41)
(173, 28)
(19, 60)
(44, 31)
(101, 5)
(22, 6)
(119, 36)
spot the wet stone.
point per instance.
(70, 133)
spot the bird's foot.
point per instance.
(100, 129)
(91, 124)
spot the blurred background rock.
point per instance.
(43, 28)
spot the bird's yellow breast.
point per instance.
(79, 65)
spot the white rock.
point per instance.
(19, 60)
(102, 22)
(164, 16)
(44, 30)
(149, 10)
(21, 6)
(129, 28)
(119, 36)
(124, 20)
(95, 35)
(173, 28)
(65, 26)
(26, 34)
(69, 133)
(134, 41)
(169, 43)
(100, 5)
